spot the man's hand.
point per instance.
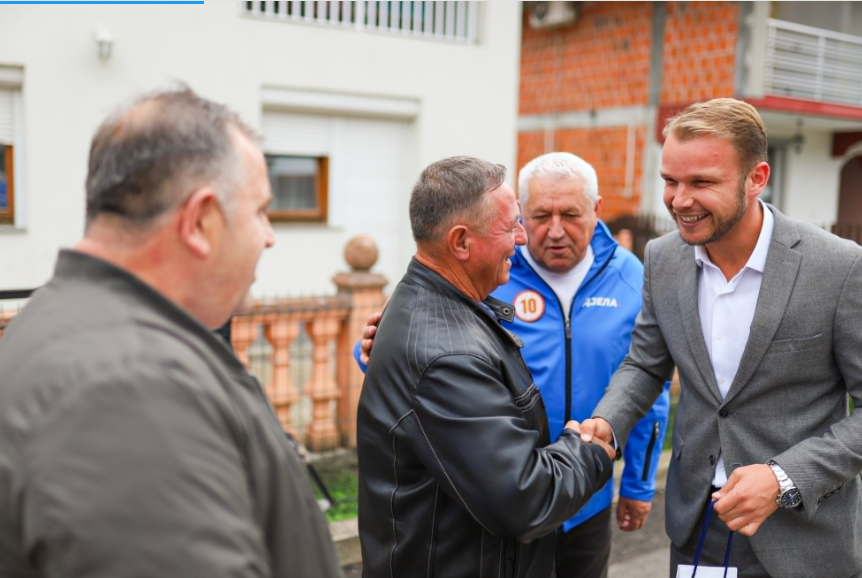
(632, 514)
(597, 427)
(368, 332)
(574, 426)
(579, 429)
(747, 499)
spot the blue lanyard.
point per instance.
(703, 539)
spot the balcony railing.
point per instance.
(813, 63)
(446, 21)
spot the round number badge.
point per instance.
(529, 306)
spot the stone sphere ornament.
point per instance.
(361, 253)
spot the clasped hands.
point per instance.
(745, 501)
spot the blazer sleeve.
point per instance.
(640, 379)
(643, 451)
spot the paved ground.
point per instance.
(643, 553)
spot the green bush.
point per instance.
(339, 472)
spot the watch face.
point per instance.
(791, 498)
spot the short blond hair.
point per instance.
(727, 118)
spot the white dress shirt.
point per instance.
(726, 311)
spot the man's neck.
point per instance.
(151, 258)
(451, 272)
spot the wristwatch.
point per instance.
(788, 493)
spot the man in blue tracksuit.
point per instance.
(576, 295)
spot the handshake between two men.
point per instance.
(461, 465)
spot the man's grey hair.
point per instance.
(557, 165)
(147, 158)
(452, 191)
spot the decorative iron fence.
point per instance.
(845, 230)
(643, 229)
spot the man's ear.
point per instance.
(459, 241)
(598, 207)
(758, 178)
(200, 219)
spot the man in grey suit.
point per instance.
(762, 316)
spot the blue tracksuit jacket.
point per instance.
(573, 364)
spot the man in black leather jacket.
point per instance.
(457, 474)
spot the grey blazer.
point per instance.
(788, 401)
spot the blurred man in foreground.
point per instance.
(132, 441)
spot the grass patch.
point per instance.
(343, 485)
(339, 472)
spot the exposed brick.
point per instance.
(604, 61)
(605, 149)
(588, 60)
(699, 51)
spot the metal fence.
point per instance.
(643, 229)
(847, 230)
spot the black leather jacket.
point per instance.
(457, 475)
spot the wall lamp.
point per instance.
(798, 139)
(105, 42)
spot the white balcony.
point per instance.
(444, 21)
(812, 63)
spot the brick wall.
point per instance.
(699, 51)
(600, 61)
(605, 149)
(603, 60)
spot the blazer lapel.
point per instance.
(779, 276)
(687, 295)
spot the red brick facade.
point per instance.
(600, 61)
(603, 60)
(699, 54)
(605, 149)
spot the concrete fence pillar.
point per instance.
(365, 292)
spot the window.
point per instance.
(7, 191)
(7, 140)
(299, 188)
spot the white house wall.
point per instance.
(466, 99)
(812, 180)
(367, 192)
